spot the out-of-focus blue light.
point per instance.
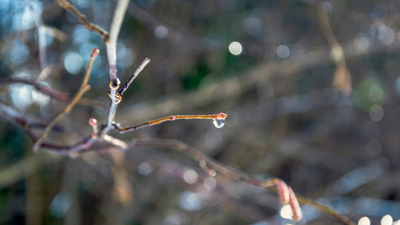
(73, 62)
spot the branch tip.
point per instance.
(221, 116)
(294, 205)
(133, 77)
(95, 52)
(283, 191)
(92, 122)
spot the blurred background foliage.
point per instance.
(267, 64)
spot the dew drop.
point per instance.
(218, 123)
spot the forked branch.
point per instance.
(84, 87)
(111, 45)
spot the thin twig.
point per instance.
(19, 119)
(47, 71)
(199, 156)
(115, 141)
(219, 116)
(51, 92)
(39, 87)
(83, 19)
(84, 87)
(41, 36)
(342, 78)
(133, 77)
(56, 33)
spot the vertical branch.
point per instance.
(342, 78)
(84, 87)
(111, 45)
(41, 31)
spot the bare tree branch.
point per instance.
(133, 77)
(218, 120)
(84, 87)
(51, 92)
(83, 19)
(111, 45)
(342, 78)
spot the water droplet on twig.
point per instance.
(218, 123)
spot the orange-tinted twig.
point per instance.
(219, 116)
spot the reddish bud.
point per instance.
(92, 122)
(294, 205)
(173, 117)
(211, 172)
(342, 80)
(95, 52)
(283, 192)
(221, 116)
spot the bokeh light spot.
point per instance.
(210, 183)
(235, 48)
(190, 201)
(161, 32)
(190, 176)
(73, 62)
(144, 169)
(252, 26)
(376, 113)
(283, 51)
(387, 220)
(364, 221)
(286, 212)
(376, 93)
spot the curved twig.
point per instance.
(199, 156)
